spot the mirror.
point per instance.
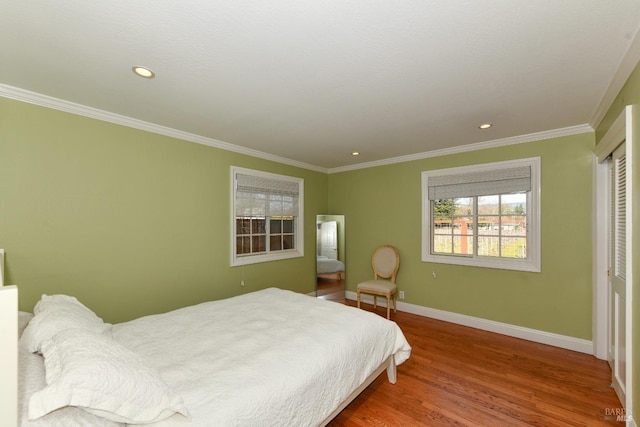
(330, 256)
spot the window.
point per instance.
(267, 216)
(484, 215)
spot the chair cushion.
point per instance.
(377, 285)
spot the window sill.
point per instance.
(485, 262)
(256, 259)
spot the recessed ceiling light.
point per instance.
(143, 72)
(355, 153)
(485, 126)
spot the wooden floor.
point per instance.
(331, 289)
(460, 376)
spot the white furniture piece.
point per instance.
(385, 262)
(8, 350)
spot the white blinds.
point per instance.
(481, 183)
(265, 196)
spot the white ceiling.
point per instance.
(313, 81)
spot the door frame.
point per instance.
(620, 130)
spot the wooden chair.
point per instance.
(385, 262)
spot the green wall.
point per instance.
(130, 222)
(382, 205)
(630, 94)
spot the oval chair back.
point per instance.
(385, 262)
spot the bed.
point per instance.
(267, 358)
(328, 268)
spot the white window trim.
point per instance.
(299, 223)
(532, 262)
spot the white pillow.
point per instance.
(103, 377)
(55, 313)
(23, 321)
(30, 380)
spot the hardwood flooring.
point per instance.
(331, 289)
(460, 376)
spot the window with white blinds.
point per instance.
(266, 216)
(483, 215)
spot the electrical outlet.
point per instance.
(401, 294)
(242, 283)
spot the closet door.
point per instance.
(618, 274)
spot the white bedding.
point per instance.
(269, 358)
(31, 376)
(326, 265)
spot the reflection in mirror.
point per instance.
(330, 254)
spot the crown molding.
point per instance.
(625, 68)
(572, 130)
(94, 113)
(23, 95)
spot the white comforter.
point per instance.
(269, 358)
(326, 265)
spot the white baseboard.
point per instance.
(562, 341)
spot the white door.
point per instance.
(613, 290)
(329, 239)
(618, 274)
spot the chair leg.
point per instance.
(388, 308)
(375, 301)
(395, 303)
(358, 298)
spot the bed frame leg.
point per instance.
(392, 374)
